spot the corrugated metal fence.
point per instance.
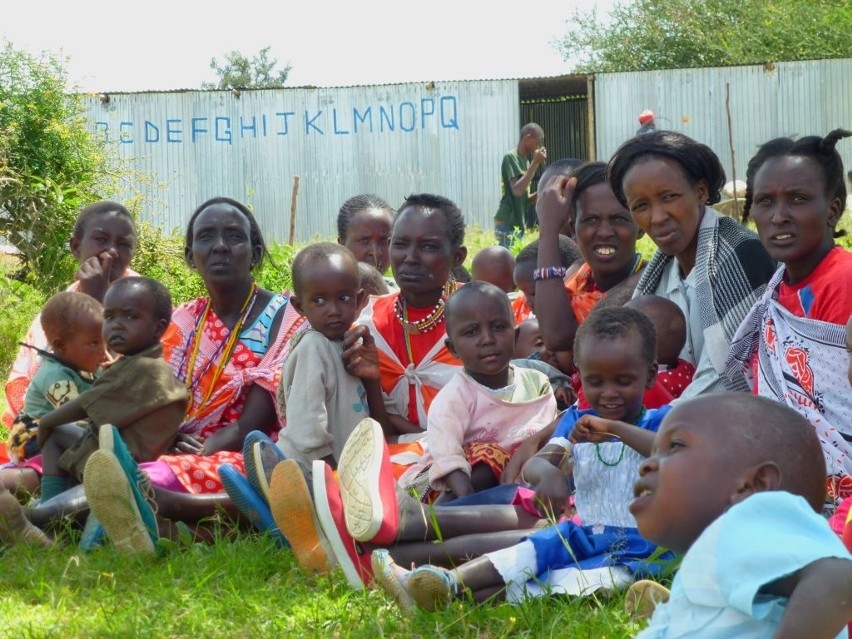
(766, 101)
(445, 137)
(392, 140)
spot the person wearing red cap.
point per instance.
(647, 122)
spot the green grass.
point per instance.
(245, 587)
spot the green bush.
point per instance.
(50, 165)
(19, 304)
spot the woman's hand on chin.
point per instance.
(93, 276)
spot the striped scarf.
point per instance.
(731, 272)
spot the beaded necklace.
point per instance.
(612, 464)
(193, 409)
(428, 323)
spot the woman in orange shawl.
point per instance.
(606, 236)
(408, 325)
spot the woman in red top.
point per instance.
(792, 345)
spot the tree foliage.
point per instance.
(50, 164)
(647, 35)
(239, 72)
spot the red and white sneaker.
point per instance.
(352, 558)
(368, 485)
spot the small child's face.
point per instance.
(688, 481)
(84, 348)
(482, 336)
(524, 282)
(615, 376)
(329, 295)
(105, 235)
(528, 341)
(129, 323)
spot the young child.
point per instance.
(525, 264)
(138, 393)
(615, 352)
(372, 282)
(673, 373)
(670, 327)
(531, 352)
(488, 407)
(321, 401)
(516, 173)
(102, 242)
(495, 264)
(741, 496)
(72, 323)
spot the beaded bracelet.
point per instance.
(549, 272)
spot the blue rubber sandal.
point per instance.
(250, 503)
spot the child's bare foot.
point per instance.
(14, 525)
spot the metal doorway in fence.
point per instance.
(561, 106)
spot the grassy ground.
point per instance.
(248, 588)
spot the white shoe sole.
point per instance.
(111, 500)
(359, 472)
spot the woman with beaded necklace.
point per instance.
(408, 325)
(226, 347)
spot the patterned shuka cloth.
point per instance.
(802, 363)
(253, 361)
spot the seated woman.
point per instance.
(706, 263)
(408, 325)
(792, 345)
(606, 236)
(364, 226)
(227, 348)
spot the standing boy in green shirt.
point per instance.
(516, 173)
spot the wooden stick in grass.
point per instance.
(731, 146)
(293, 197)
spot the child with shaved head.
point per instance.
(736, 482)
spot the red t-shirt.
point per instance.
(825, 294)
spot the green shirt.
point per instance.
(513, 208)
(53, 385)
